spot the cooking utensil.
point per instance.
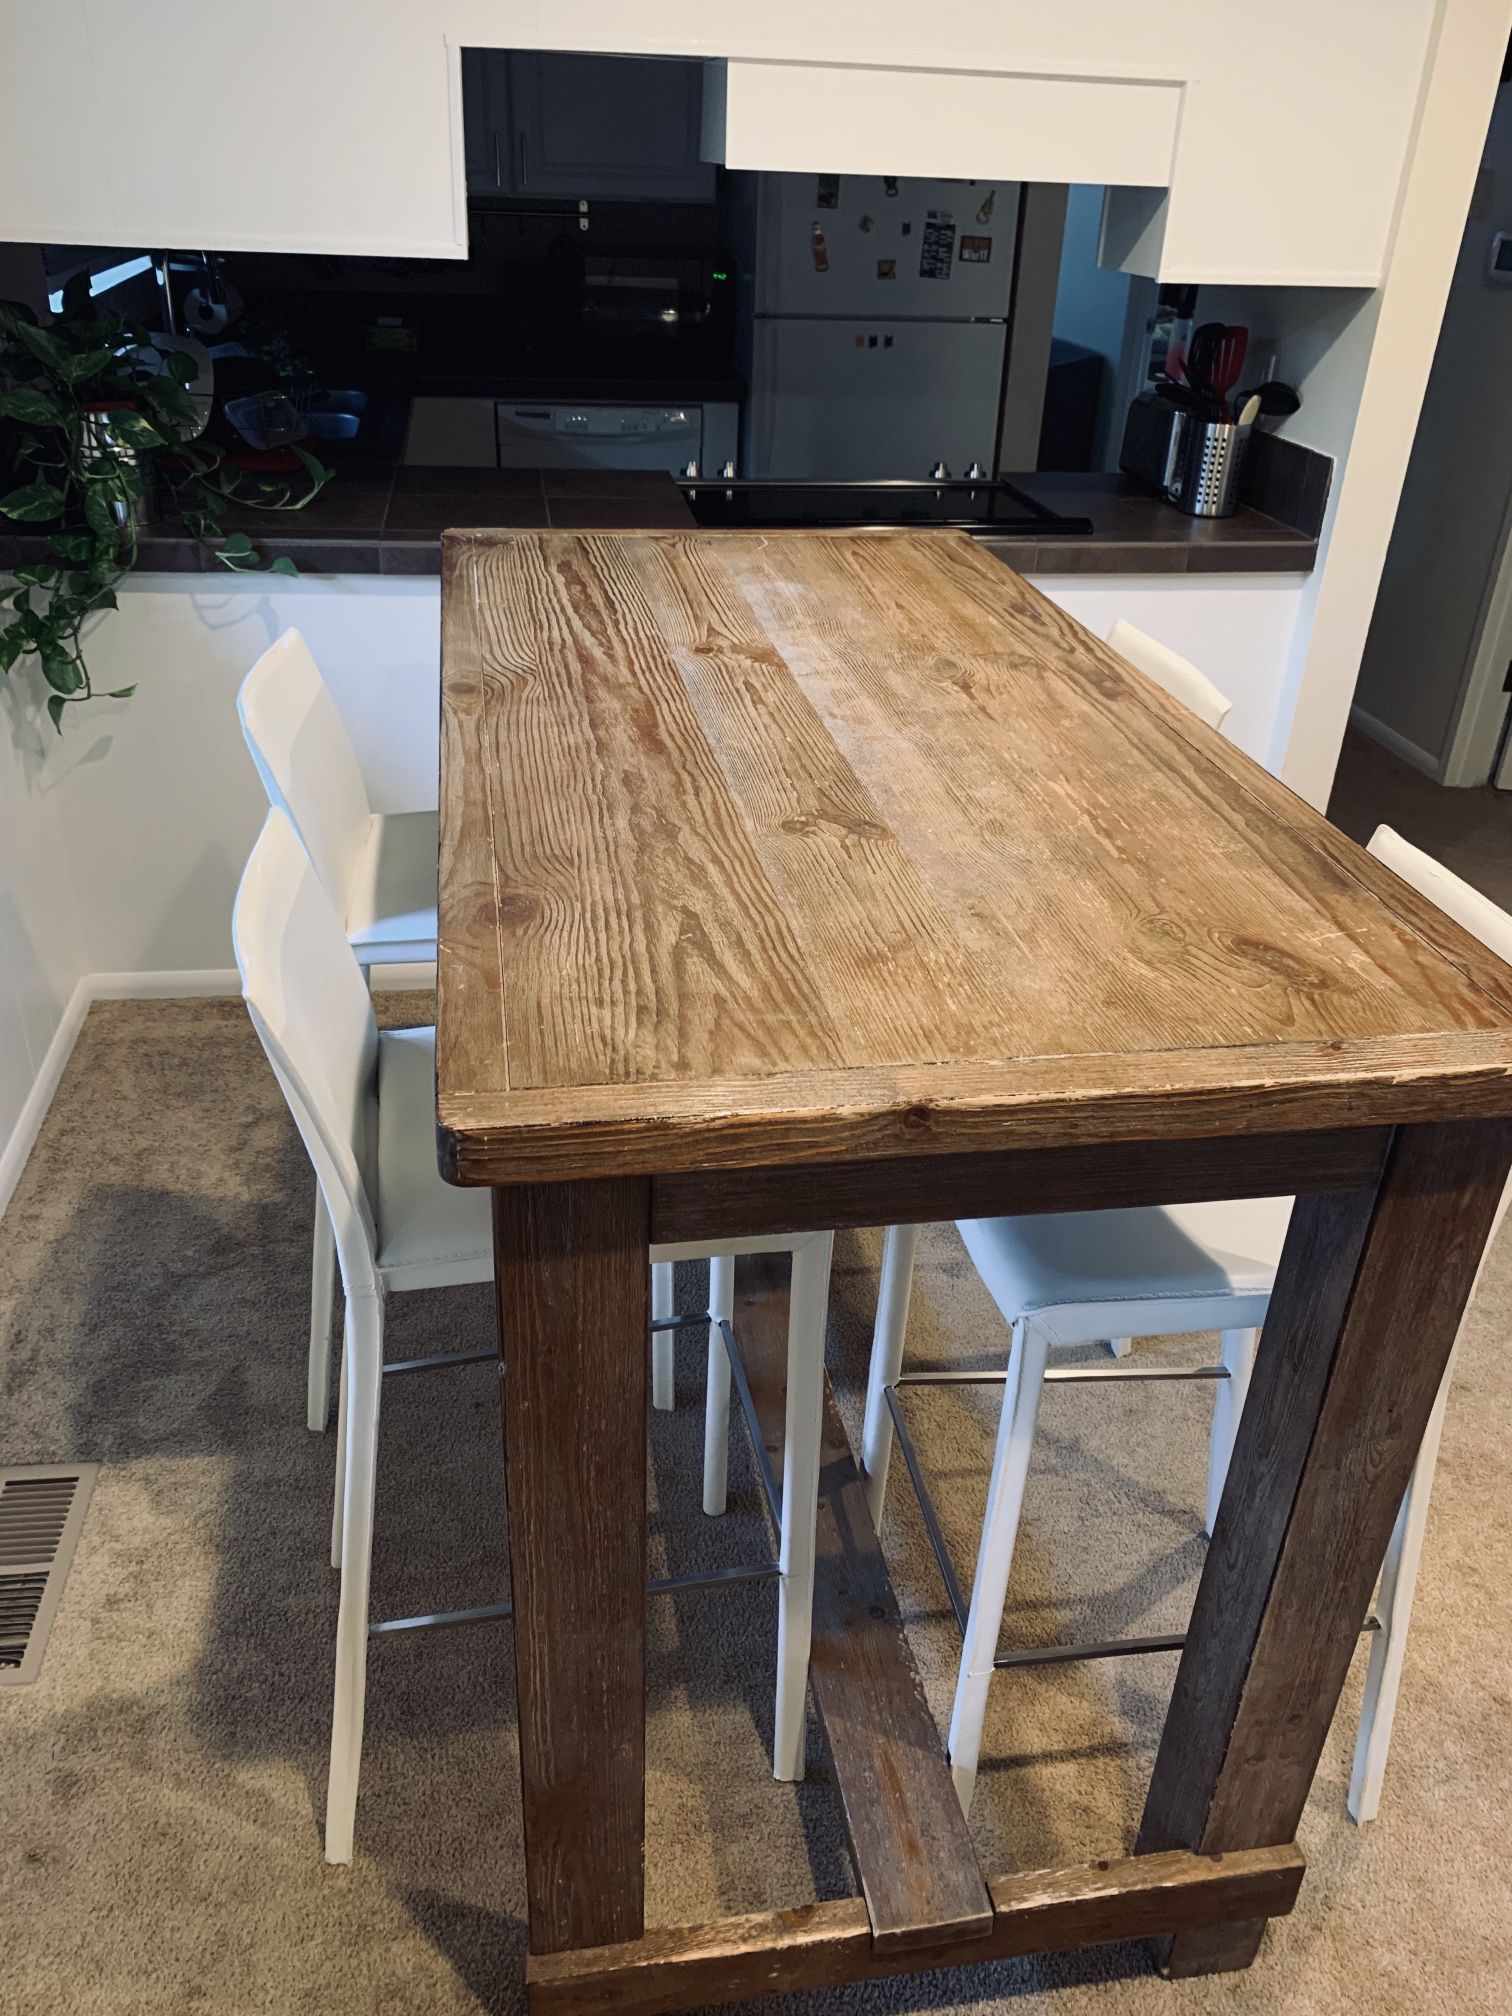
(1277, 401)
(1202, 366)
(1227, 363)
(1249, 412)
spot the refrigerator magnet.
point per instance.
(887, 269)
(937, 252)
(975, 251)
(889, 185)
(827, 193)
(984, 211)
(818, 249)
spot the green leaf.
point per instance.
(12, 644)
(97, 508)
(72, 545)
(121, 693)
(33, 501)
(74, 367)
(38, 574)
(180, 365)
(55, 705)
(61, 672)
(283, 565)
(34, 406)
(133, 430)
(237, 546)
(319, 473)
(43, 346)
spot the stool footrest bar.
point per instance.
(437, 1361)
(495, 1613)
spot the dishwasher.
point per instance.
(590, 434)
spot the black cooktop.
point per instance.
(772, 503)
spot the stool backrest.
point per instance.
(1477, 913)
(306, 760)
(314, 1016)
(1171, 672)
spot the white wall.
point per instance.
(1448, 534)
(41, 934)
(1457, 90)
(1238, 628)
(163, 804)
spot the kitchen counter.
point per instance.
(1135, 532)
(379, 517)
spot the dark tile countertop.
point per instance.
(1135, 532)
(376, 518)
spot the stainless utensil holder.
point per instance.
(1209, 461)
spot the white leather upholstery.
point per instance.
(391, 899)
(305, 759)
(379, 869)
(430, 1233)
(1174, 674)
(1083, 1275)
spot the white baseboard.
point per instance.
(172, 984)
(1399, 744)
(29, 1122)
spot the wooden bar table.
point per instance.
(810, 880)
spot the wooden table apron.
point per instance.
(1382, 1099)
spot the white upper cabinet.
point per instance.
(548, 124)
(336, 125)
(325, 127)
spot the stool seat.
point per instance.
(1080, 1275)
(391, 898)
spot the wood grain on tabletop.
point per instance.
(739, 827)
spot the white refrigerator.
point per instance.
(877, 323)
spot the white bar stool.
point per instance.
(363, 1101)
(1070, 1278)
(379, 870)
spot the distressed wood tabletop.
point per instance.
(806, 846)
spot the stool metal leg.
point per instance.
(989, 1589)
(807, 1309)
(898, 1251)
(1238, 1355)
(717, 1402)
(322, 1283)
(1383, 1677)
(362, 1375)
(663, 1350)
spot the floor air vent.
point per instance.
(41, 1511)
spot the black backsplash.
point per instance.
(1287, 482)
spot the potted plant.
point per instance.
(95, 424)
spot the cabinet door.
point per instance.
(606, 126)
(485, 120)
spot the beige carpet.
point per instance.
(161, 1783)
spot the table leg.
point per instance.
(570, 1261)
(1366, 1307)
